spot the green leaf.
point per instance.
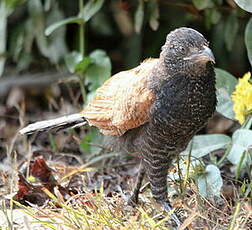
(225, 80)
(248, 40)
(210, 183)
(24, 61)
(212, 17)
(38, 25)
(81, 67)
(248, 122)
(17, 41)
(12, 4)
(154, 14)
(76, 64)
(53, 47)
(91, 8)
(225, 104)
(231, 30)
(215, 16)
(57, 47)
(139, 16)
(99, 70)
(29, 35)
(200, 5)
(245, 4)
(58, 24)
(225, 85)
(72, 59)
(242, 142)
(201, 145)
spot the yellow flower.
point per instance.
(242, 97)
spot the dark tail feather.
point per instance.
(69, 121)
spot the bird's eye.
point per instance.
(172, 46)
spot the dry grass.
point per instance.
(104, 209)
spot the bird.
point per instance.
(154, 109)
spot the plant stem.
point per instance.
(236, 213)
(239, 166)
(225, 154)
(188, 166)
(82, 47)
(82, 29)
(248, 121)
(82, 87)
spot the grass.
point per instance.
(96, 210)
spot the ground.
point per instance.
(69, 180)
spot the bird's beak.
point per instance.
(205, 55)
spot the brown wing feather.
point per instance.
(123, 101)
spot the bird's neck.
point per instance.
(184, 96)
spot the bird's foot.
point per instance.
(168, 208)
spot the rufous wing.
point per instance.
(123, 101)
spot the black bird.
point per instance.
(154, 109)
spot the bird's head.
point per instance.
(186, 51)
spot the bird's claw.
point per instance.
(167, 207)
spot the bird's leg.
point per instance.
(141, 173)
(157, 170)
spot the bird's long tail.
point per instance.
(69, 121)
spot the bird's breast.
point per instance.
(182, 106)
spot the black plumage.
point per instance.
(158, 110)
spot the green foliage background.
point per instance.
(128, 31)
